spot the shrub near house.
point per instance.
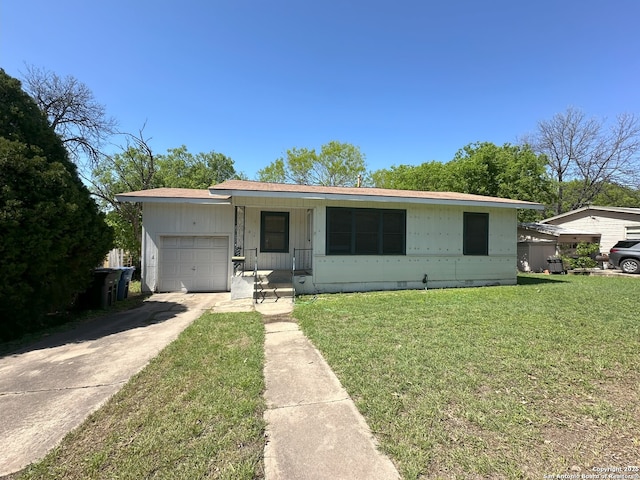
(52, 231)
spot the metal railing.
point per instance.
(302, 261)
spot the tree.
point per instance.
(52, 231)
(338, 164)
(181, 169)
(614, 195)
(430, 176)
(588, 151)
(72, 112)
(136, 167)
(509, 171)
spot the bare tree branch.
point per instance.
(589, 151)
(72, 111)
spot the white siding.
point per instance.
(298, 237)
(167, 219)
(434, 240)
(611, 225)
(434, 248)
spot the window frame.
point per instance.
(263, 231)
(360, 226)
(470, 244)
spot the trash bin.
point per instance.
(555, 265)
(102, 291)
(123, 284)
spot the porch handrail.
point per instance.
(293, 266)
(255, 277)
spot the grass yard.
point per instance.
(194, 412)
(537, 379)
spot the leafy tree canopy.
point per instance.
(337, 164)
(510, 171)
(136, 167)
(181, 169)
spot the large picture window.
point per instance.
(365, 231)
(274, 232)
(475, 234)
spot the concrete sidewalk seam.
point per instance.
(280, 331)
(304, 404)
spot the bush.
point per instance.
(585, 253)
(52, 231)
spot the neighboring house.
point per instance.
(539, 241)
(612, 223)
(562, 233)
(336, 239)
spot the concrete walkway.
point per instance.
(314, 430)
(49, 387)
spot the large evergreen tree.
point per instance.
(51, 231)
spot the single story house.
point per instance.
(332, 239)
(539, 241)
(611, 223)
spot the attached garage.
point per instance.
(193, 264)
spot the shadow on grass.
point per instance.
(532, 279)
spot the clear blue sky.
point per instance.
(406, 81)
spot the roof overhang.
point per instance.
(595, 209)
(556, 231)
(384, 199)
(174, 195)
(324, 194)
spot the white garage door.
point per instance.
(193, 264)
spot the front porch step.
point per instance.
(273, 294)
(273, 287)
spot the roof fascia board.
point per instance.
(202, 201)
(375, 198)
(626, 210)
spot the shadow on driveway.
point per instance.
(49, 387)
(150, 312)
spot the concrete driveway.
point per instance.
(48, 388)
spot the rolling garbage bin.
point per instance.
(555, 265)
(123, 284)
(102, 291)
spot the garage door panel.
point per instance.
(193, 263)
(203, 256)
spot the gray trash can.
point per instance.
(123, 284)
(555, 265)
(102, 291)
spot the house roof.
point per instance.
(634, 211)
(316, 192)
(174, 195)
(555, 230)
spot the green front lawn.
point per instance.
(194, 412)
(538, 379)
(507, 382)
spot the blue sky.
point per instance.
(406, 81)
